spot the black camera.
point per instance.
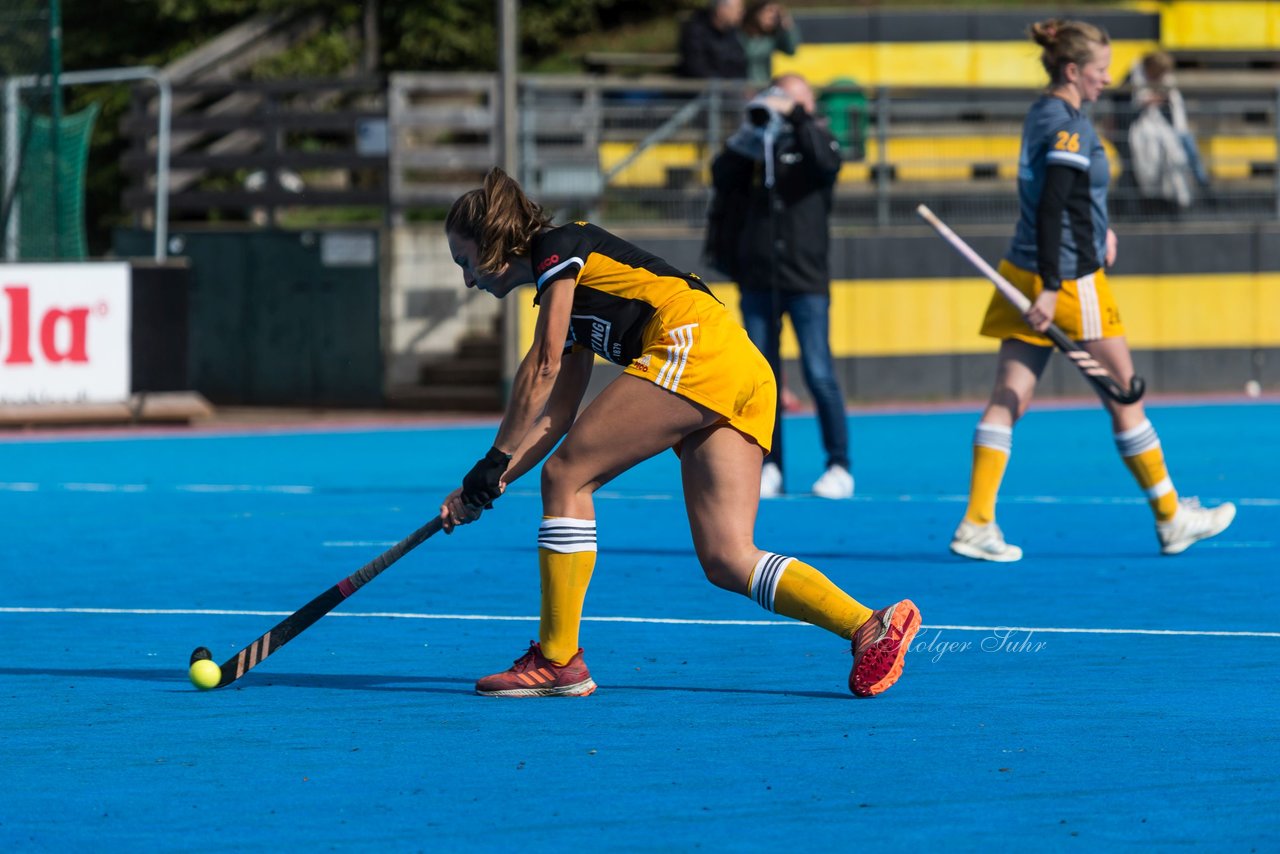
(758, 115)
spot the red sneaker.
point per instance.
(533, 675)
(879, 645)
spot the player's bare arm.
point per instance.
(538, 371)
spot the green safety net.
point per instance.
(49, 204)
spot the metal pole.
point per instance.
(371, 55)
(882, 160)
(163, 120)
(715, 109)
(1276, 127)
(55, 116)
(10, 193)
(508, 69)
(162, 165)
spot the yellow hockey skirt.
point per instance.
(699, 351)
(1086, 309)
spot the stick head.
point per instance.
(200, 653)
(1137, 387)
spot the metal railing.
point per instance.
(638, 149)
(239, 146)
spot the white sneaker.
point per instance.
(770, 481)
(983, 542)
(1193, 523)
(836, 482)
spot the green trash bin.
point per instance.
(845, 106)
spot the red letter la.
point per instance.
(20, 331)
(19, 326)
(79, 320)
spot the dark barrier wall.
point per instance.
(159, 334)
(280, 317)
(1201, 305)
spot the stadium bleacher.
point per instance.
(944, 92)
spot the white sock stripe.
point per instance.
(567, 536)
(764, 580)
(1164, 487)
(1137, 440)
(1135, 431)
(568, 547)
(566, 522)
(995, 436)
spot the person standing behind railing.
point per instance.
(710, 46)
(778, 171)
(767, 28)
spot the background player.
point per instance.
(1055, 259)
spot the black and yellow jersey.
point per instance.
(619, 287)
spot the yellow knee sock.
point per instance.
(992, 445)
(566, 557)
(1141, 451)
(794, 589)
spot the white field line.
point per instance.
(281, 488)
(606, 495)
(386, 544)
(410, 615)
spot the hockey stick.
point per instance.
(1085, 363)
(300, 620)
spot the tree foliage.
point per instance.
(413, 35)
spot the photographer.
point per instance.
(780, 168)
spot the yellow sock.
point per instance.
(1140, 449)
(566, 558)
(794, 589)
(992, 445)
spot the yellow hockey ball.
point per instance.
(205, 674)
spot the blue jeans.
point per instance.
(811, 318)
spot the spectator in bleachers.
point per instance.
(1163, 153)
(767, 27)
(710, 45)
(777, 174)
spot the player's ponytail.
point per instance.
(1065, 42)
(499, 217)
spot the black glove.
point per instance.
(481, 485)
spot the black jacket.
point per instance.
(789, 249)
(706, 52)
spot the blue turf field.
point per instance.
(1110, 716)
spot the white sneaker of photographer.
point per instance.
(770, 481)
(836, 482)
